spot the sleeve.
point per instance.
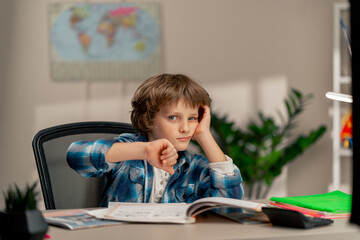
(216, 184)
(88, 157)
(226, 167)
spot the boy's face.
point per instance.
(175, 122)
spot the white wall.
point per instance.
(234, 48)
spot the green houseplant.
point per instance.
(265, 146)
(21, 218)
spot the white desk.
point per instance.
(209, 227)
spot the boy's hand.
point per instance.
(205, 139)
(161, 154)
(203, 129)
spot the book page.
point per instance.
(165, 212)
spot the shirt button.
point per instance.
(160, 192)
(162, 182)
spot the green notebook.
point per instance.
(334, 202)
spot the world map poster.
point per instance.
(105, 41)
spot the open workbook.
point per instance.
(169, 212)
(74, 219)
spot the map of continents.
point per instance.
(104, 32)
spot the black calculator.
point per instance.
(290, 218)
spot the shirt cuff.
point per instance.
(226, 167)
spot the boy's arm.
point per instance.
(88, 157)
(121, 151)
(226, 181)
(213, 183)
(205, 139)
(159, 153)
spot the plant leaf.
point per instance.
(260, 151)
(19, 201)
(288, 108)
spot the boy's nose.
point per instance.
(184, 127)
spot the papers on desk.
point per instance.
(332, 205)
(75, 219)
(169, 212)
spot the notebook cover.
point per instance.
(335, 202)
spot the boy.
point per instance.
(154, 165)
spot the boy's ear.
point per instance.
(201, 113)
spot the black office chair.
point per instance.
(62, 187)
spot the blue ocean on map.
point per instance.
(122, 32)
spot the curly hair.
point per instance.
(160, 90)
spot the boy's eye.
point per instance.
(193, 118)
(172, 117)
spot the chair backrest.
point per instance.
(61, 186)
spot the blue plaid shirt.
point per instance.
(131, 181)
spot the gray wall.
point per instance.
(240, 50)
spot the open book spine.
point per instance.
(205, 204)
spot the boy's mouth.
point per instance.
(184, 139)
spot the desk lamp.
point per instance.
(339, 97)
